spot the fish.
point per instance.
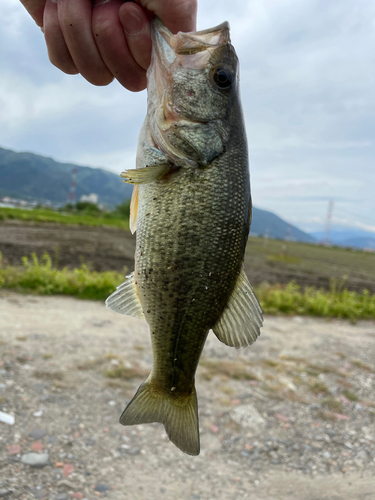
(191, 210)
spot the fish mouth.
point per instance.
(171, 53)
(198, 43)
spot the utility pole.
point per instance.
(326, 238)
(72, 191)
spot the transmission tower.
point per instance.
(326, 238)
(72, 191)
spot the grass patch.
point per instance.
(40, 276)
(43, 278)
(332, 404)
(326, 415)
(48, 375)
(271, 362)
(112, 355)
(350, 395)
(81, 218)
(334, 303)
(288, 259)
(229, 369)
(318, 387)
(126, 372)
(90, 364)
(295, 359)
(363, 366)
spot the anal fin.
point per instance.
(240, 323)
(125, 299)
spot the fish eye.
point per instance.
(223, 78)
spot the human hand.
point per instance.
(110, 39)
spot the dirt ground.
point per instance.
(105, 248)
(292, 417)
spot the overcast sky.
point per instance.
(308, 92)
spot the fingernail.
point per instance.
(133, 24)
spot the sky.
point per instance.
(307, 89)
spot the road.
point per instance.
(292, 417)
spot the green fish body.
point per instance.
(191, 208)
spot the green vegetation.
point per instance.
(350, 395)
(227, 369)
(40, 276)
(84, 214)
(44, 279)
(126, 372)
(335, 303)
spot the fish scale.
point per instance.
(182, 257)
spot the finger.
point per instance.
(136, 25)
(177, 15)
(75, 22)
(35, 8)
(112, 44)
(58, 52)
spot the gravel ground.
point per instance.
(292, 417)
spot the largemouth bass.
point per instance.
(191, 207)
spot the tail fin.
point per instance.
(178, 414)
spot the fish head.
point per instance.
(192, 89)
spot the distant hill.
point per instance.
(276, 227)
(363, 242)
(348, 237)
(33, 177)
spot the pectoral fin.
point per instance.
(125, 299)
(240, 323)
(145, 175)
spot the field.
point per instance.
(104, 245)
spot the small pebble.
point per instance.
(35, 459)
(6, 418)
(62, 496)
(78, 495)
(13, 449)
(68, 469)
(37, 433)
(36, 446)
(5, 493)
(101, 488)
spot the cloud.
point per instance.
(307, 87)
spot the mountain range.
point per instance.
(37, 178)
(348, 237)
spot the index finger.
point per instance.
(177, 15)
